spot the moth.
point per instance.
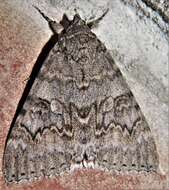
(79, 113)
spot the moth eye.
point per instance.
(56, 106)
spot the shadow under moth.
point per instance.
(79, 113)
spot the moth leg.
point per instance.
(94, 23)
(54, 26)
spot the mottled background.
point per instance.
(136, 33)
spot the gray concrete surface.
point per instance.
(139, 46)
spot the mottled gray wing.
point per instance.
(35, 146)
(125, 139)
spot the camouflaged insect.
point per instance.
(79, 113)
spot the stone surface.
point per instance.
(138, 40)
(91, 180)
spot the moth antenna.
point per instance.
(55, 27)
(94, 23)
(44, 16)
(104, 14)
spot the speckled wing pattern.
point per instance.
(79, 113)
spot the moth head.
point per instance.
(77, 20)
(77, 25)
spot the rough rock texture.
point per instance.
(137, 37)
(156, 10)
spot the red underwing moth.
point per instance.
(79, 113)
